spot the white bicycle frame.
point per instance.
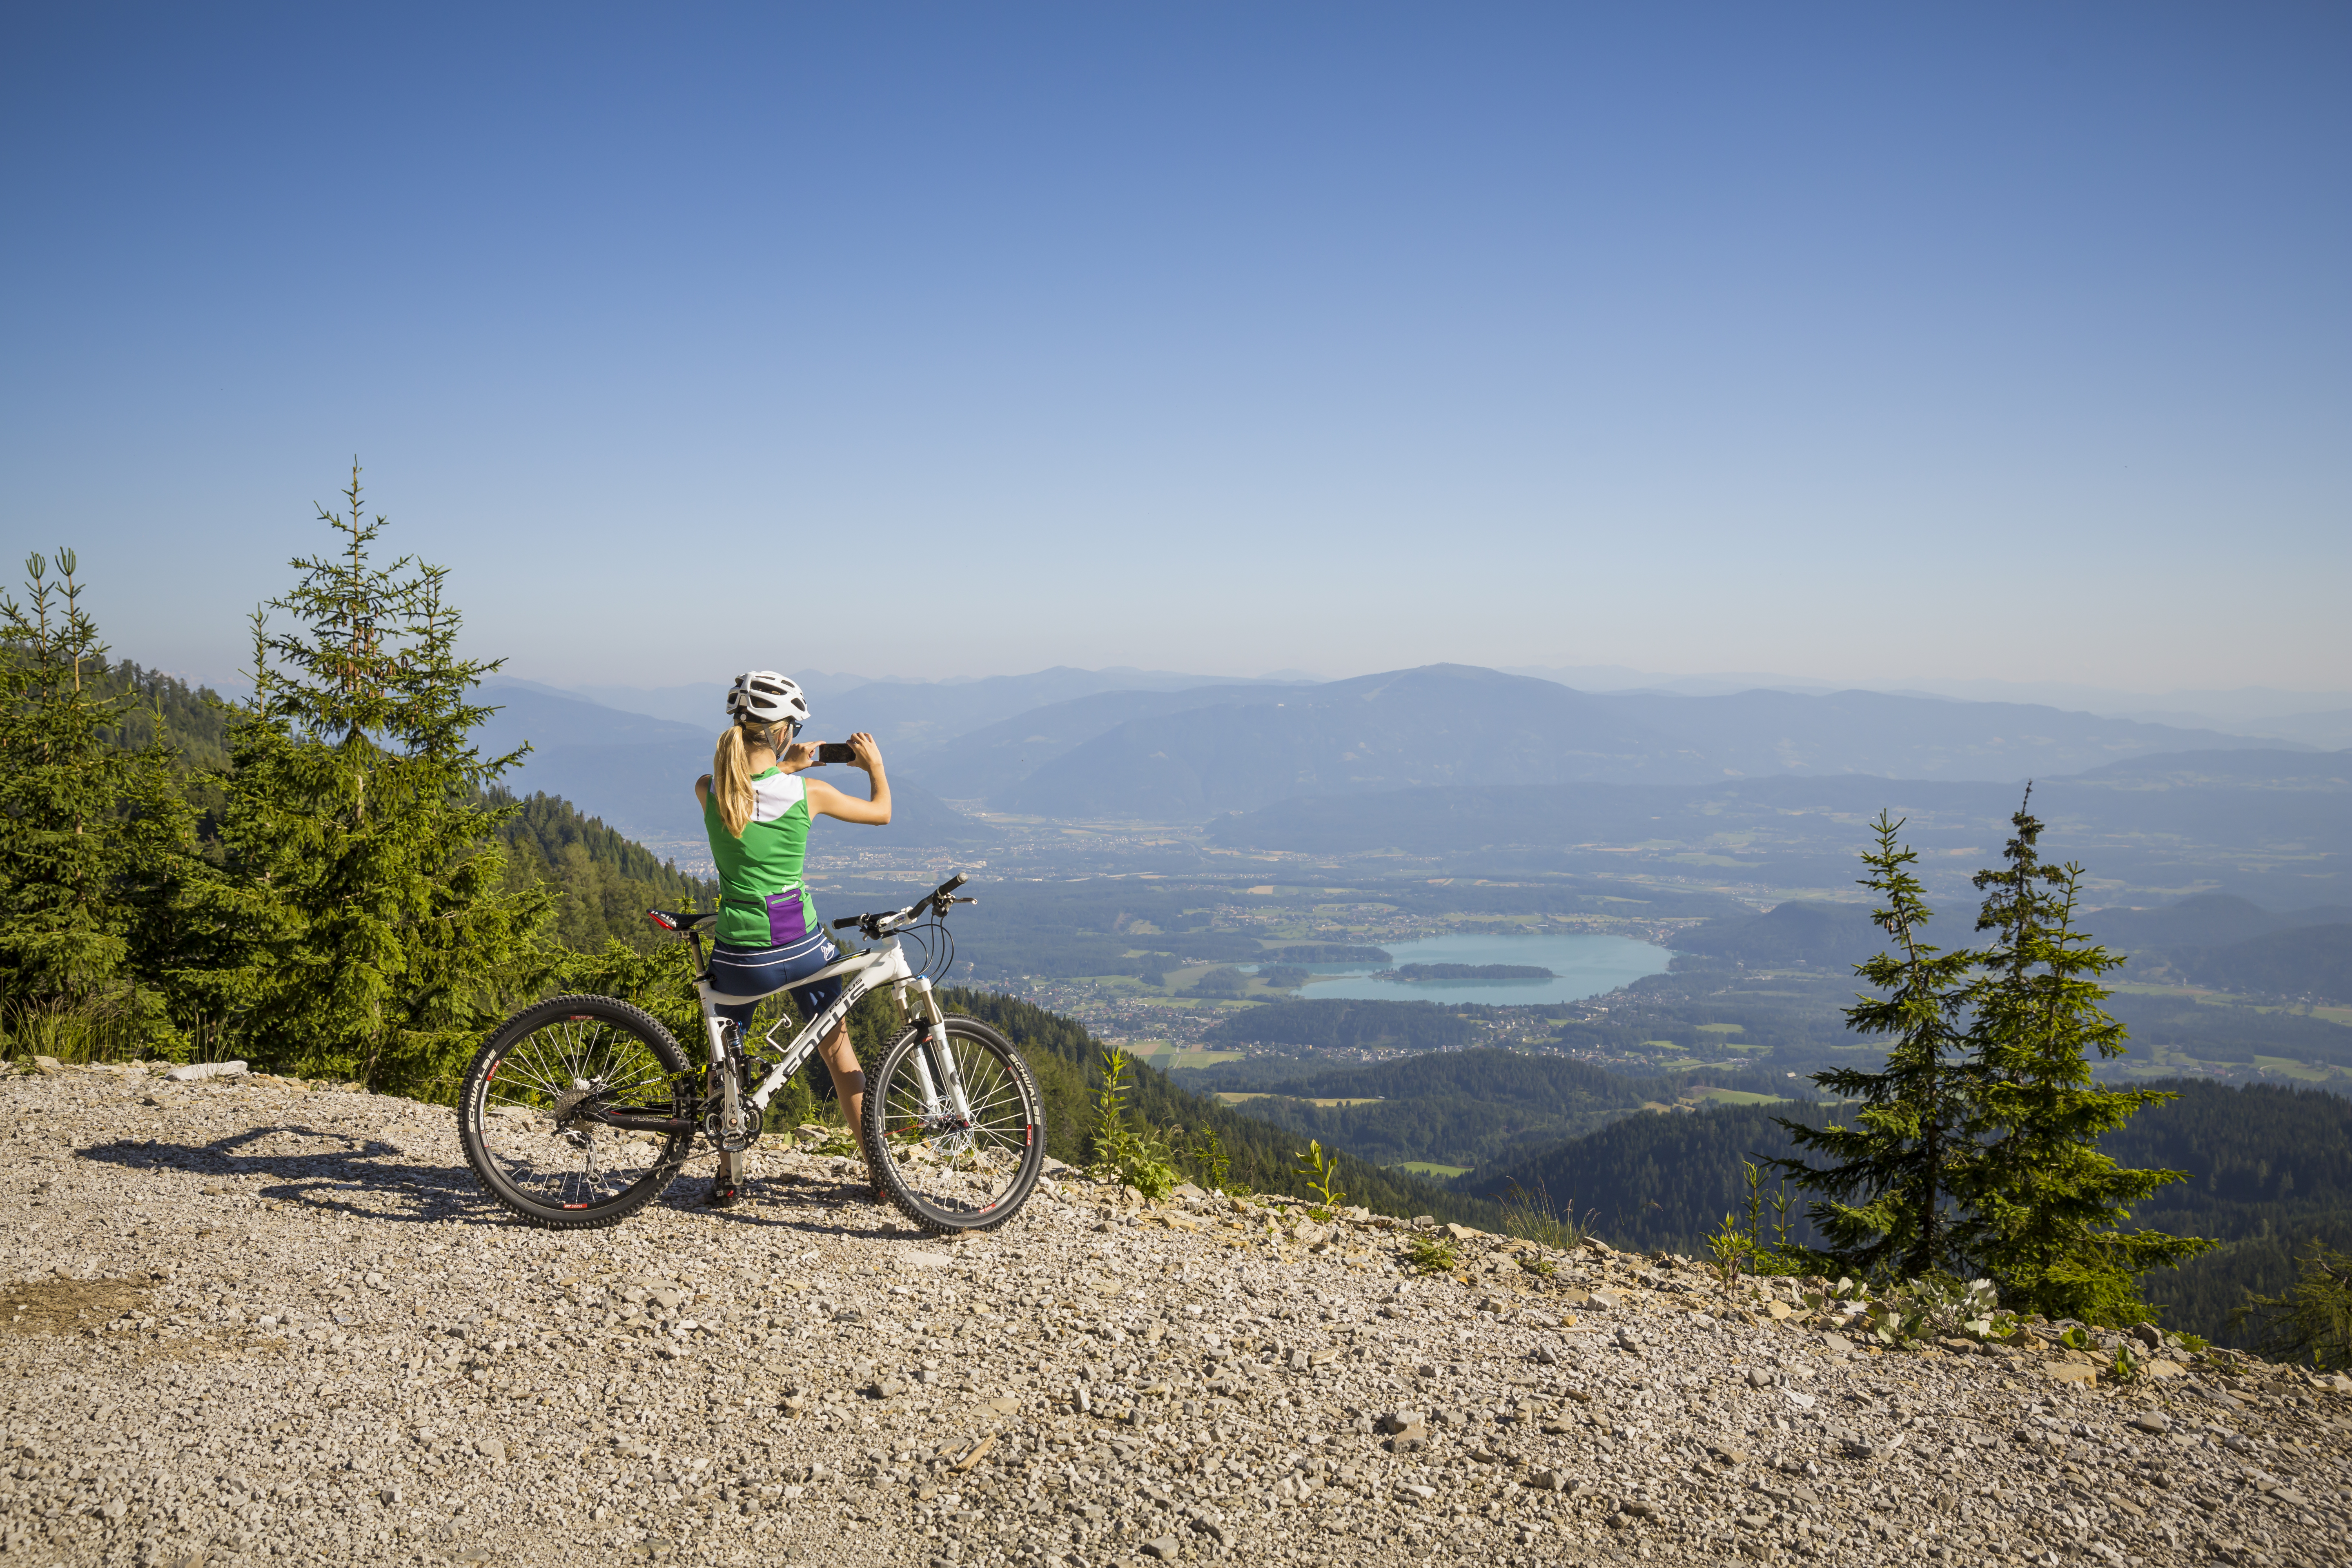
(860, 973)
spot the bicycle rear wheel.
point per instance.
(550, 1167)
(956, 1160)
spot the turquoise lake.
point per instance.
(1584, 965)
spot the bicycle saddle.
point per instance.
(677, 921)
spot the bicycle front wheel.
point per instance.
(519, 1111)
(956, 1131)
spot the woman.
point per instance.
(758, 810)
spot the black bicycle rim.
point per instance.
(521, 1121)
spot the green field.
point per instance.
(1424, 1168)
(1235, 1097)
(1168, 1060)
(1741, 1097)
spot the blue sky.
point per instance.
(1867, 342)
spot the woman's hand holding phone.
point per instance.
(857, 751)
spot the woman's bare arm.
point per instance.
(826, 801)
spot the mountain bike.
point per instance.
(580, 1110)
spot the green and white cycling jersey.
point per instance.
(761, 901)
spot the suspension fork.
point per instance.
(935, 1065)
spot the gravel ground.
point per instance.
(252, 1320)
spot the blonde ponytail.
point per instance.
(731, 774)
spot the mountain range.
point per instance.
(1185, 755)
(2273, 826)
(1081, 744)
(2210, 939)
(638, 773)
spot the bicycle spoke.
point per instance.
(951, 1168)
(516, 1111)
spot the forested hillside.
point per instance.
(1821, 935)
(1705, 1008)
(1264, 1158)
(607, 882)
(2223, 1033)
(191, 718)
(1453, 1108)
(1656, 1179)
(2313, 961)
(2273, 1171)
(2270, 1168)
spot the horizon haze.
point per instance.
(1891, 348)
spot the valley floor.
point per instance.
(256, 1320)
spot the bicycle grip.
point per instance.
(845, 921)
(953, 883)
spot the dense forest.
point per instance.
(2270, 1169)
(1657, 1181)
(604, 883)
(156, 707)
(1450, 1108)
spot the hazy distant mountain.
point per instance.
(900, 714)
(2235, 944)
(545, 717)
(2272, 825)
(2318, 718)
(2312, 960)
(1758, 734)
(1828, 936)
(2205, 920)
(999, 756)
(1442, 724)
(1460, 725)
(638, 772)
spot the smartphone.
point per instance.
(834, 751)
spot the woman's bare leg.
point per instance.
(848, 1086)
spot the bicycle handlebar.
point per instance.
(937, 899)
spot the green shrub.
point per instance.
(1430, 1254)
(1123, 1154)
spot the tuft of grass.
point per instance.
(94, 1031)
(1533, 1216)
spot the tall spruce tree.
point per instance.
(2044, 1204)
(94, 838)
(1887, 1197)
(372, 935)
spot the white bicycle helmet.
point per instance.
(767, 698)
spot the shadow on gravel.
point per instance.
(318, 1168)
(376, 1180)
(817, 1208)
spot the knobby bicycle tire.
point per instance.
(576, 1175)
(952, 1172)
